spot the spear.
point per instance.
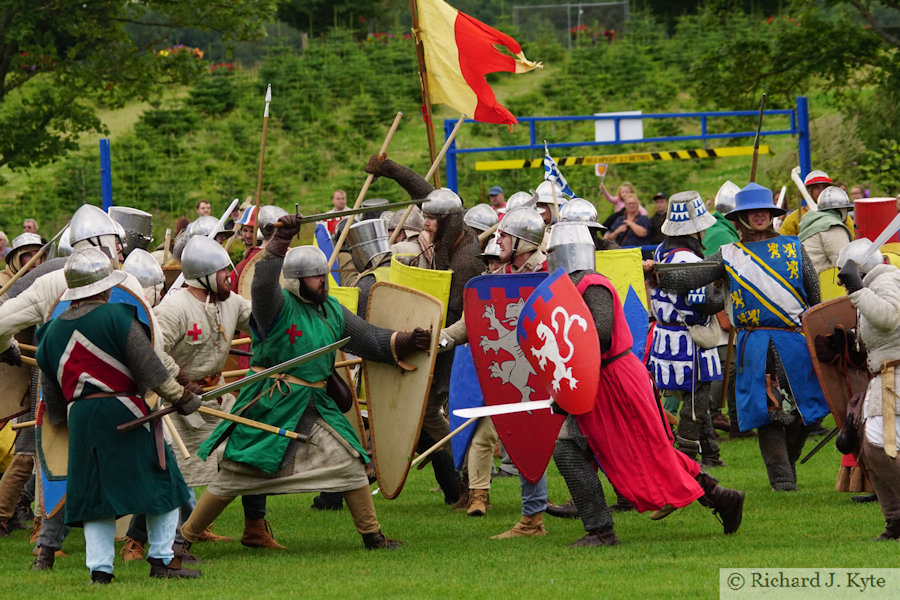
(434, 166)
(262, 158)
(363, 191)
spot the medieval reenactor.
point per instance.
(624, 432)
(96, 361)
(286, 323)
(683, 355)
(771, 282)
(824, 232)
(873, 428)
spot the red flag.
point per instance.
(459, 52)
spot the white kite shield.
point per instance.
(397, 397)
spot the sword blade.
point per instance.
(279, 368)
(663, 267)
(502, 409)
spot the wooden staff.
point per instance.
(27, 266)
(443, 441)
(241, 372)
(488, 232)
(262, 158)
(423, 86)
(434, 166)
(755, 159)
(25, 425)
(362, 192)
(555, 185)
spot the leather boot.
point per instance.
(479, 504)
(891, 531)
(101, 577)
(378, 541)
(622, 504)
(603, 537)
(173, 570)
(132, 550)
(45, 559)
(464, 500)
(566, 510)
(727, 504)
(527, 526)
(6, 527)
(258, 534)
(183, 552)
(662, 513)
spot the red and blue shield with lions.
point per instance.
(557, 334)
(493, 304)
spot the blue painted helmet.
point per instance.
(753, 197)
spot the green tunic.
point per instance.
(110, 473)
(298, 329)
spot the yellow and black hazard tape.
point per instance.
(635, 157)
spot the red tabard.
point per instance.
(626, 431)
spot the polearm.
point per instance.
(363, 191)
(262, 158)
(755, 160)
(437, 446)
(27, 266)
(230, 387)
(434, 165)
(732, 332)
(345, 213)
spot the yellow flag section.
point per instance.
(829, 288)
(624, 269)
(434, 283)
(347, 296)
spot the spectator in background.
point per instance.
(632, 228)
(338, 203)
(497, 199)
(661, 202)
(4, 244)
(30, 226)
(857, 193)
(618, 201)
(203, 208)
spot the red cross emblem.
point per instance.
(195, 332)
(293, 332)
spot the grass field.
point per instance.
(449, 555)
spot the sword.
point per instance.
(230, 387)
(351, 211)
(502, 409)
(820, 445)
(664, 267)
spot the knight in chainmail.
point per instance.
(770, 282)
(623, 432)
(97, 362)
(286, 323)
(683, 355)
(455, 248)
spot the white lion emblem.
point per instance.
(518, 370)
(550, 349)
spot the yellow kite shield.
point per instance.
(432, 282)
(397, 397)
(347, 296)
(624, 268)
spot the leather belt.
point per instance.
(291, 379)
(616, 357)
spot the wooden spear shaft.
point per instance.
(434, 166)
(363, 191)
(423, 86)
(443, 441)
(262, 159)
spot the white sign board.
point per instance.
(629, 129)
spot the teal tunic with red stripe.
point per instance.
(299, 328)
(110, 473)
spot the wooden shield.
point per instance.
(171, 272)
(246, 278)
(51, 492)
(821, 320)
(396, 398)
